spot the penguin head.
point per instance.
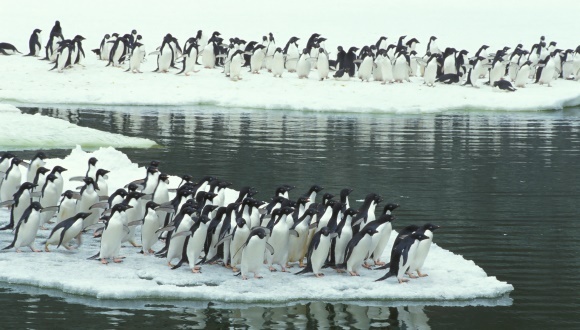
(199, 33)
(353, 49)
(7, 155)
(433, 38)
(78, 38)
(320, 50)
(350, 212)
(286, 210)
(93, 161)
(37, 30)
(107, 36)
(186, 178)
(260, 232)
(241, 222)
(16, 160)
(57, 24)
(278, 50)
(309, 212)
(151, 205)
(51, 177)
(68, 194)
(27, 186)
(340, 49)
(210, 195)
(90, 181)
(326, 197)
(324, 231)
(116, 35)
(133, 31)
(371, 231)
(120, 208)
(102, 173)
(390, 207)
(42, 170)
(316, 188)
(430, 226)
(152, 170)
(419, 236)
(36, 206)
(164, 177)
(40, 155)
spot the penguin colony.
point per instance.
(199, 227)
(382, 62)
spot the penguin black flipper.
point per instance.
(10, 225)
(387, 275)
(14, 240)
(95, 256)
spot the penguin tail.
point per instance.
(307, 269)
(179, 263)
(341, 266)
(238, 274)
(385, 266)
(387, 275)
(7, 227)
(9, 246)
(94, 257)
(217, 256)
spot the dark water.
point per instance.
(503, 185)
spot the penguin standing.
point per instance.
(422, 250)
(209, 52)
(67, 206)
(303, 67)
(151, 223)
(449, 61)
(279, 240)
(322, 64)
(113, 234)
(89, 197)
(165, 54)
(431, 70)
(344, 235)
(104, 48)
(236, 65)
(137, 56)
(79, 54)
(239, 237)
(545, 74)
(193, 244)
(522, 75)
(101, 179)
(318, 251)
(401, 67)
(253, 252)
(190, 58)
(35, 163)
(118, 51)
(384, 234)
(257, 58)
(21, 200)
(349, 61)
(34, 43)
(292, 54)
(296, 250)
(366, 66)
(27, 228)
(49, 197)
(270, 50)
(182, 223)
(357, 250)
(12, 179)
(401, 256)
(277, 63)
(63, 56)
(65, 231)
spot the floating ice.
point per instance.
(23, 131)
(451, 277)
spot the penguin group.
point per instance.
(384, 62)
(199, 224)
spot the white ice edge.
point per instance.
(451, 277)
(24, 131)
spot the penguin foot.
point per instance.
(135, 244)
(379, 263)
(196, 270)
(258, 276)
(151, 251)
(272, 269)
(340, 271)
(169, 264)
(35, 250)
(353, 273)
(46, 248)
(284, 270)
(68, 247)
(228, 266)
(403, 280)
(244, 277)
(235, 270)
(421, 274)
(301, 264)
(104, 261)
(319, 275)
(18, 251)
(412, 276)
(117, 260)
(367, 266)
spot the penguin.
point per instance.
(298, 245)
(49, 197)
(431, 70)
(349, 61)
(422, 250)
(101, 179)
(150, 224)
(401, 67)
(381, 43)
(381, 239)
(209, 52)
(236, 65)
(12, 179)
(133, 215)
(338, 64)
(258, 56)
(65, 231)
(366, 67)
(63, 56)
(366, 213)
(357, 250)
(322, 64)
(137, 56)
(8, 49)
(497, 70)
(26, 228)
(190, 58)
(40, 179)
(165, 54)
(304, 65)
(401, 256)
(568, 64)
(253, 252)
(522, 75)
(90, 173)
(385, 66)
(239, 236)
(318, 251)
(67, 206)
(104, 49)
(34, 43)
(474, 67)
(248, 51)
(292, 54)
(21, 200)
(341, 74)
(78, 54)
(449, 61)
(344, 235)
(514, 62)
(504, 85)
(270, 50)
(193, 244)
(481, 71)
(449, 78)
(113, 234)
(57, 171)
(432, 46)
(183, 223)
(277, 63)
(5, 161)
(89, 197)
(279, 239)
(118, 51)
(35, 163)
(545, 74)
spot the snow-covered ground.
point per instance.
(451, 277)
(495, 23)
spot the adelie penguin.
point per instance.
(401, 256)
(27, 227)
(318, 251)
(253, 252)
(357, 250)
(34, 43)
(422, 250)
(8, 49)
(504, 85)
(65, 231)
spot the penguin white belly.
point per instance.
(359, 253)
(269, 56)
(10, 185)
(296, 244)
(190, 62)
(534, 59)
(253, 256)
(496, 73)
(323, 67)
(405, 264)
(105, 50)
(256, 61)
(365, 69)
(320, 254)
(148, 235)
(175, 249)
(239, 239)
(195, 245)
(164, 60)
(208, 58)
(66, 209)
(52, 56)
(111, 238)
(341, 242)
(236, 67)
(513, 70)
(62, 59)
(567, 69)
(421, 254)
(430, 73)
(279, 241)
(88, 199)
(278, 64)
(303, 67)
(103, 187)
(27, 231)
(72, 232)
(23, 204)
(523, 76)
(413, 67)
(383, 235)
(59, 182)
(50, 198)
(547, 73)
(481, 72)
(33, 168)
(387, 71)
(214, 240)
(292, 58)
(377, 70)
(55, 237)
(135, 63)
(400, 70)
(449, 65)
